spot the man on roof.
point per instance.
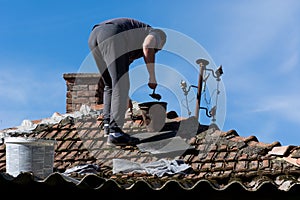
(115, 44)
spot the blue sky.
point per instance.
(256, 42)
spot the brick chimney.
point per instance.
(83, 88)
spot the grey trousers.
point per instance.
(109, 50)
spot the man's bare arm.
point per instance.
(149, 58)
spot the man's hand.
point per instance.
(152, 85)
(152, 82)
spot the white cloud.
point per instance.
(29, 94)
(250, 29)
(260, 54)
(290, 60)
(281, 107)
(13, 87)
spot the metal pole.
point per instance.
(202, 63)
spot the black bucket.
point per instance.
(154, 115)
(147, 105)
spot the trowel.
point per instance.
(155, 96)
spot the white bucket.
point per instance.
(29, 155)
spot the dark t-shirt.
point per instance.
(127, 23)
(135, 34)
